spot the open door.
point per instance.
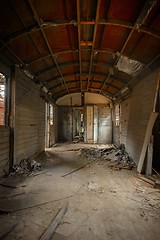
(89, 124)
(78, 124)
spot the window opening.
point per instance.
(2, 98)
(51, 114)
(117, 112)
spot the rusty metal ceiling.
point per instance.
(70, 46)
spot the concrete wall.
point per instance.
(29, 118)
(142, 104)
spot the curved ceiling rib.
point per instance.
(77, 91)
(111, 22)
(85, 74)
(107, 51)
(76, 81)
(71, 64)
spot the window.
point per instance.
(117, 113)
(2, 99)
(51, 114)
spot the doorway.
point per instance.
(49, 125)
(78, 124)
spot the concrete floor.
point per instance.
(102, 203)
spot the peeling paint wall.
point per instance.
(29, 118)
(142, 104)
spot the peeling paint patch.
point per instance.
(129, 66)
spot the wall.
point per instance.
(4, 132)
(142, 104)
(104, 124)
(124, 118)
(64, 124)
(74, 99)
(115, 128)
(100, 123)
(4, 148)
(29, 118)
(53, 128)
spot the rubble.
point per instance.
(117, 156)
(26, 167)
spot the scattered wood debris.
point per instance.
(77, 169)
(53, 225)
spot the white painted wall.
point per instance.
(89, 98)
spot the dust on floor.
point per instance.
(102, 203)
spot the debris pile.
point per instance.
(118, 157)
(26, 167)
(97, 152)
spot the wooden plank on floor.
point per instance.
(53, 225)
(149, 157)
(146, 140)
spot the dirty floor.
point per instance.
(101, 203)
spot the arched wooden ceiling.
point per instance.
(72, 46)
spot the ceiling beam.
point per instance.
(110, 51)
(64, 3)
(70, 64)
(76, 81)
(76, 88)
(138, 75)
(135, 26)
(101, 21)
(36, 17)
(85, 74)
(94, 38)
(24, 67)
(79, 42)
(29, 34)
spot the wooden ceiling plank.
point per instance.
(135, 26)
(135, 77)
(94, 38)
(47, 43)
(79, 42)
